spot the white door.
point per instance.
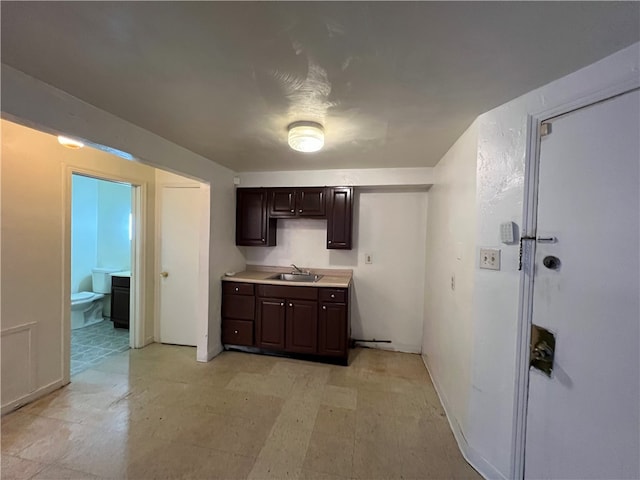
(584, 422)
(179, 252)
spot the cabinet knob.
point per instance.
(282, 304)
(332, 295)
(291, 304)
(235, 331)
(329, 241)
(324, 307)
(263, 239)
(292, 210)
(237, 289)
(300, 211)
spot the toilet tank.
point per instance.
(102, 279)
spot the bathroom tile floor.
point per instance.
(91, 345)
(157, 413)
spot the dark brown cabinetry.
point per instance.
(257, 210)
(339, 218)
(297, 202)
(120, 294)
(332, 323)
(253, 225)
(238, 312)
(301, 320)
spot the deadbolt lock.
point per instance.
(542, 349)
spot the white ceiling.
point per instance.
(394, 83)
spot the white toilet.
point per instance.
(86, 307)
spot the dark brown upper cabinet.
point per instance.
(297, 202)
(253, 225)
(339, 217)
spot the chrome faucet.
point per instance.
(297, 270)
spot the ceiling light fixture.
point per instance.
(306, 136)
(69, 142)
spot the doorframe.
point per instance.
(629, 82)
(138, 255)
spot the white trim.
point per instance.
(32, 329)
(473, 458)
(532, 159)
(211, 354)
(41, 392)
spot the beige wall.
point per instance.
(35, 189)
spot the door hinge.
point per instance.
(545, 129)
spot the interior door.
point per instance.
(583, 421)
(179, 251)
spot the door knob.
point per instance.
(164, 274)
(542, 349)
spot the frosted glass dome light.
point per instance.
(306, 136)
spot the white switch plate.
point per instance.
(490, 258)
(368, 258)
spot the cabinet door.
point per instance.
(270, 324)
(339, 217)
(253, 227)
(302, 326)
(282, 202)
(311, 202)
(332, 329)
(120, 307)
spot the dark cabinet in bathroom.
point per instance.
(120, 287)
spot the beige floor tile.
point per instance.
(374, 460)
(342, 397)
(15, 468)
(157, 413)
(267, 469)
(54, 472)
(340, 422)
(311, 475)
(174, 460)
(330, 453)
(276, 386)
(229, 434)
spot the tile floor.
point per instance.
(91, 345)
(156, 413)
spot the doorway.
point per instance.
(101, 264)
(583, 416)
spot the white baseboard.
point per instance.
(40, 392)
(148, 341)
(473, 458)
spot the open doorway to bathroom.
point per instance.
(101, 261)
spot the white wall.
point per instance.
(84, 232)
(387, 300)
(36, 179)
(450, 252)
(114, 207)
(30, 101)
(486, 434)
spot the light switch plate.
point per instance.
(490, 258)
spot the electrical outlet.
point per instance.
(368, 258)
(490, 258)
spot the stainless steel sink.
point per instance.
(296, 277)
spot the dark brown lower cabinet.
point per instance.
(270, 323)
(332, 333)
(302, 320)
(302, 326)
(120, 292)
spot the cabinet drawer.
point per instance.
(281, 291)
(333, 295)
(120, 281)
(235, 288)
(239, 307)
(237, 332)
